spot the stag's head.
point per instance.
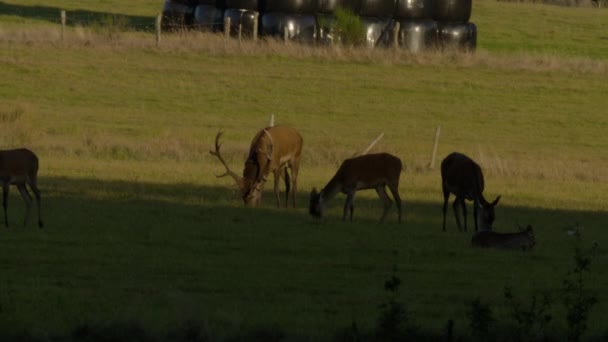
(485, 214)
(251, 184)
(251, 192)
(316, 204)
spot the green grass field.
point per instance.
(140, 233)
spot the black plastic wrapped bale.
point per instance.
(377, 8)
(176, 16)
(330, 6)
(243, 18)
(418, 35)
(414, 9)
(208, 18)
(252, 5)
(374, 29)
(452, 11)
(459, 36)
(217, 3)
(291, 6)
(296, 27)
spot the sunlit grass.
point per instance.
(140, 229)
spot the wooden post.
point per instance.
(256, 18)
(226, 27)
(373, 143)
(159, 20)
(434, 154)
(240, 32)
(271, 121)
(285, 34)
(63, 20)
(370, 145)
(396, 34)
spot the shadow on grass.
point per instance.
(222, 200)
(206, 239)
(77, 17)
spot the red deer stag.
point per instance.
(20, 167)
(273, 150)
(370, 171)
(523, 239)
(461, 176)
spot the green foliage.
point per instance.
(531, 317)
(576, 298)
(348, 27)
(394, 321)
(481, 319)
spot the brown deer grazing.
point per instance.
(370, 171)
(20, 167)
(461, 176)
(521, 240)
(273, 150)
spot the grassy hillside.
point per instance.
(139, 230)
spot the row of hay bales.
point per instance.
(423, 24)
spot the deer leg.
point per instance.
(287, 188)
(34, 186)
(475, 213)
(277, 178)
(446, 197)
(464, 213)
(295, 167)
(349, 206)
(28, 201)
(456, 212)
(381, 191)
(395, 191)
(4, 201)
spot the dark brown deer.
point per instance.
(461, 176)
(370, 171)
(20, 167)
(273, 150)
(522, 240)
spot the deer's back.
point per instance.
(370, 170)
(521, 240)
(17, 163)
(461, 175)
(286, 143)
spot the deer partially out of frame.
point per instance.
(370, 171)
(20, 167)
(273, 150)
(523, 240)
(461, 176)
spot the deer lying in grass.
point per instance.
(20, 167)
(273, 150)
(521, 240)
(461, 176)
(370, 171)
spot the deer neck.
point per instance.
(331, 190)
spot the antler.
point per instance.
(217, 153)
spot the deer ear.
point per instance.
(496, 201)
